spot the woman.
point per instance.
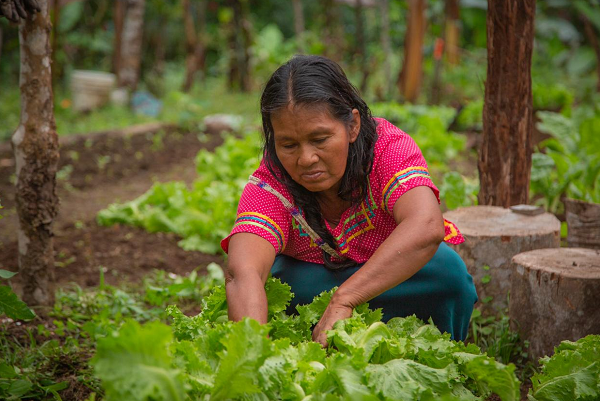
(342, 199)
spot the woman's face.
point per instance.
(312, 146)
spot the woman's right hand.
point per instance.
(249, 264)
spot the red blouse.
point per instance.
(398, 166)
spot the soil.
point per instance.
(81, 246)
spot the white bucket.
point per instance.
(91, 89)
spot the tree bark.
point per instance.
(452, 31)
(386, 44)
(299, 24)
(412, 67)
(55, 26)
(119, 16)
(505, 154)
(35, 144)
(131, 46)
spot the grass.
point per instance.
(185, 109)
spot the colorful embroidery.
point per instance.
(368, 215)
(398, 179)
(451, 231)
(264, 222)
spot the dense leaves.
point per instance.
(207, 355)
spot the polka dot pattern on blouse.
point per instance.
(398, 166)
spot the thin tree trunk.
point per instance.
(131, 46)
(191, 64)
(386, 44)
(1, 43)
(505, 154)
(119, 16)
(201, 43)
(361, 49)
(299, 24)
(452, 31)
(593, 39)
(242, 42)
(412, 66)
(332, 31)
(35, 144)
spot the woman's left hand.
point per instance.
(333, 313)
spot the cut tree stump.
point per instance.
(555, 296)
(583, 221)
(493, 235)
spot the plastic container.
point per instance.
(91, 89)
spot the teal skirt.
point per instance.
(442, 290)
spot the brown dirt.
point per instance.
(81, 246)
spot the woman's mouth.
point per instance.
(312, 176)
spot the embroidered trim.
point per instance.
(449, 226)
(398, 179)
(264, 222)
(297, 215)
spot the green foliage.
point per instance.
(458, 191)
(428, 126)
(571, 374)
(570, 164)
(471, 116)
(10, 304)
(203, 214)
(366, 359)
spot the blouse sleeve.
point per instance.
(402, 167)
(261, 213)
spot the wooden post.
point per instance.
(35, 144)
(505, 153)
(554, 296)
(409, 81)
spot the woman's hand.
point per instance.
(333, 313)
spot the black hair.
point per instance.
(316, 81)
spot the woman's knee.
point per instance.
(449, 267)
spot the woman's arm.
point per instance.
(411, 245)
(249, 264)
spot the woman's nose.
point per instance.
(307, 157)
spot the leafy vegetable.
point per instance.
(572, 373)
(208, 356)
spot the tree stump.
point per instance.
(493, 235)
(555, 296)
(583, 220)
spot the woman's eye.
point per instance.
(289, 146)
(320, 140)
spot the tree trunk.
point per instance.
(593, 39)
(191, 63)
(452, 31)
(332, 31)
(195, 46)
(361, 49)
(35, 144)
(55, 25)
(1, 38)
(131, 46)
(412, 66)
(241, 46)
(386, 44)
(299, 24)
(119, 16)
(505, 154)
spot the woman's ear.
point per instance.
(355, 127)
